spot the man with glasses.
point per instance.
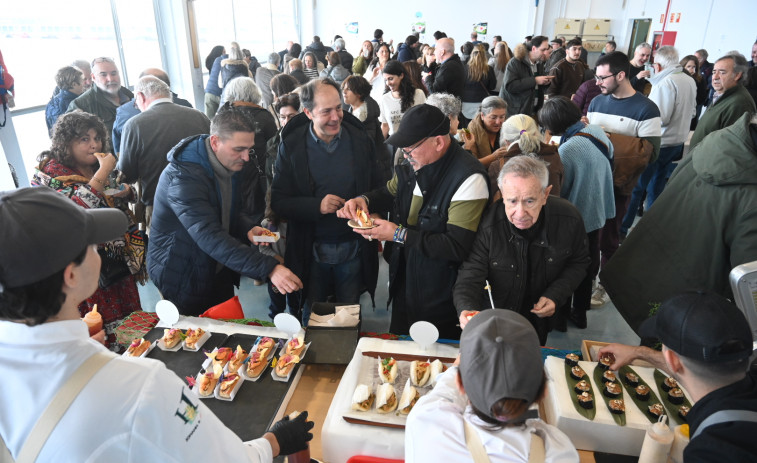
(436, 199)
(325, 157)
(150, 135)
(106, 95)
(525, 80)
(199, 232)
(730, 99)
(620, 109)
(531, 248)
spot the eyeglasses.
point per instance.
(409, 152)
(601, 79)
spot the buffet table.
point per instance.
(319, 389)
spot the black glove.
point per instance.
(292, 435)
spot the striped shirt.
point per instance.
(635, 116)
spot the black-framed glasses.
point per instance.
(601, 79)
(409, 152)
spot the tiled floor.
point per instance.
(605, 324)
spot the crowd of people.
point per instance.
(452, 153)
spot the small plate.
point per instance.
(205, 336)
(163, 347)
(147, 351)
(233, 391)
(196, 390)
(266, 239)
(352, 223)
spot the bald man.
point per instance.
(450, 78)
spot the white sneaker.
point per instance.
(599, 297)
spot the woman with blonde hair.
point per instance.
(498, 62)
(519, 135)
(428, 65)
(480, 81)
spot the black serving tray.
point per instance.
(183, 362)
(253, 409)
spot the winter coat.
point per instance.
(703, 224)
(337, 73)
(449, 78)
(499, 255)
(405, 53)
(231, 69)
(476, 91)
(725, 111)
(519, 88)
(187, 240)
(293, 199)
(318, 50)
(56, 107)
(212, 86)
(585, 93)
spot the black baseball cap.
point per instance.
(556, 40)
(43, 231)
(419, 122)
(500, 358)
(701, 325)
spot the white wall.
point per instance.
(395, 17)
(717, 25)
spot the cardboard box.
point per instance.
(330, 345)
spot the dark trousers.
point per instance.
(609, 235)
(222, 290)
(582, 294)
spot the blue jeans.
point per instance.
(652, 180)
(335, 270)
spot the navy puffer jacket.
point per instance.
(187, 240)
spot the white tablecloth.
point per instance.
(342, 440)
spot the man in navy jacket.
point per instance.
(198, 240)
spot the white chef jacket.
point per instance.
(435, 431)
(132, 410)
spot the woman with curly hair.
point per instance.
(480, 81)
(400, 96)
(75, 166)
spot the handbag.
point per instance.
(112, 269)
(631, 158)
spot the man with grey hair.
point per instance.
(86, 69)
(450, 77)
(531, 247)
(129, 109)
(325, 158)
(638, 73)
(103, 98)
(241, 89)
(674, 93)
(344, 56)
(150, 135)
(730, 99)
(263, 78)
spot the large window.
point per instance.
(40, 37)
(262, 26)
